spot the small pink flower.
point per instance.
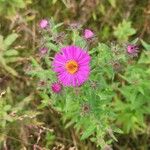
(56, 87)
(43, 50)
(43, 23)
(132, 50)
(88, 34)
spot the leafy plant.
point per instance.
(114, 73)
(9, 8)
(106, 98)
(11, 114)
(7, 54)
(124, 30)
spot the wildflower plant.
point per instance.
(99, 90)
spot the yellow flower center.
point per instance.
(72, 66)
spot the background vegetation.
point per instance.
(24, 124)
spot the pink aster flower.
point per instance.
(43, 23)
(56, 87)
(88, 34)
(72, 66)
(132, 50)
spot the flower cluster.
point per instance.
(71, 64)
(89, 94)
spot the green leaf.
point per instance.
(117, 130)
(54, 28)
(146, 45)
(104, 53)
(12, 59)
(93, 50)
(135, 41)
(20, 3)
(53, 46)
(89, 131)
(94, 16)
(102, 9)
(45, 100)
(79, 41)
(8, 118)
(54, 1)
(113, 3)
(6, 67)
(1, 43)
(9, 40)
(123, 31)
(69, 124)
(7, 107)
(11, 52)
(23, 103)
(34, 62)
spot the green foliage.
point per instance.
(145, 45)
(4, 116)
(8, 54)
(9, 8)
(54, 1)
(113, 3)
(13, 114)
(50, 137)
(124, 30)
(120, 95)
